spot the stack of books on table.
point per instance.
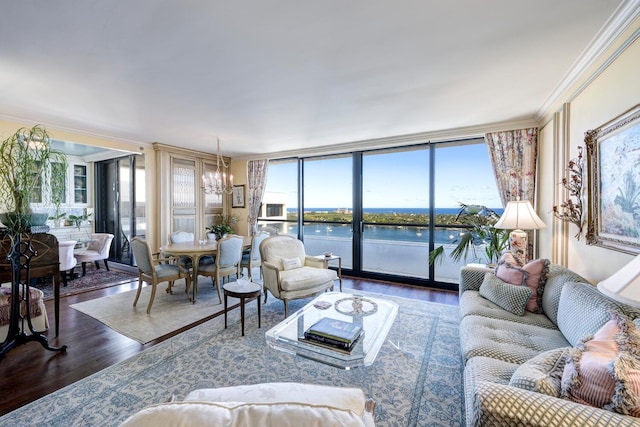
(333, 333)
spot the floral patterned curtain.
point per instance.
(513, 155)
(257, 181)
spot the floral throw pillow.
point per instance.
(604, 370)
(532, 275)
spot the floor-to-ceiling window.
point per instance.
(382, 210)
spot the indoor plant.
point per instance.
(26, 162)
(480, 230)
(222, 225)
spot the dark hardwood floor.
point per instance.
(29, 371)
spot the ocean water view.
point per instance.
(404, 233)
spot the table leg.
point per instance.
(194, 279)
(258, 298)
(56, 301)
(225, 310)
(242, 313)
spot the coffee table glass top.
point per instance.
(376, 315)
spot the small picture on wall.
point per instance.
(237, 196)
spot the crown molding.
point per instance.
(137, 145)
(445, 135)
(626, 13)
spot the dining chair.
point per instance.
(252, 259)
(228, 257)
(154, 270)
(67, 259)
(97, 250)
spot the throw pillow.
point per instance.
(291, 263)
(509, 297)
(542, 374)
(604, 370)
(533, 275)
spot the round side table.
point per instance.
(243, 291)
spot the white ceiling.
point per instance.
(271, 76)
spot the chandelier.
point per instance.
(216, 183)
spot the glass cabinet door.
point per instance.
(80, 183)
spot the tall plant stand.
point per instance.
(20, 320)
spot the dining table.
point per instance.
(196, 250)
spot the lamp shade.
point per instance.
(519, 215)
(624, 285)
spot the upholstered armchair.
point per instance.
(98, 249)
(288, 273)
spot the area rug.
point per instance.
(416, 379)
(169, 312)
(94, 279)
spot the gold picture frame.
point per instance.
(613, 169)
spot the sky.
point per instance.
(393, 179)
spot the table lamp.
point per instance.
(518, 216)
(624, 285)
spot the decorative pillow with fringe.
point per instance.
(533, 275)
(604, 370)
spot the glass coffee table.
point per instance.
(376, 315)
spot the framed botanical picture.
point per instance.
(237, 196)
(613, 166)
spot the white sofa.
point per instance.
(265, 405)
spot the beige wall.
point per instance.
(7, 128)
(609, 89)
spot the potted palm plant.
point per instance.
(26, 164)
(479, 224)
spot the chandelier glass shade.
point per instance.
(216, 182)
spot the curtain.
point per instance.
(257, 181)
(513, 156)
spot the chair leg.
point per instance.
(153, 295)
(97, 265)
(84, 269)
(106, 265)
(64, 277)
(286, 309)
(218, 288)
(135, 301)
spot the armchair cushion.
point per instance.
(305, 278)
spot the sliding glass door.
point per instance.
(120, 207)
(395, 212)
(383, 211)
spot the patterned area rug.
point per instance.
(416, 378)
(95, 279)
